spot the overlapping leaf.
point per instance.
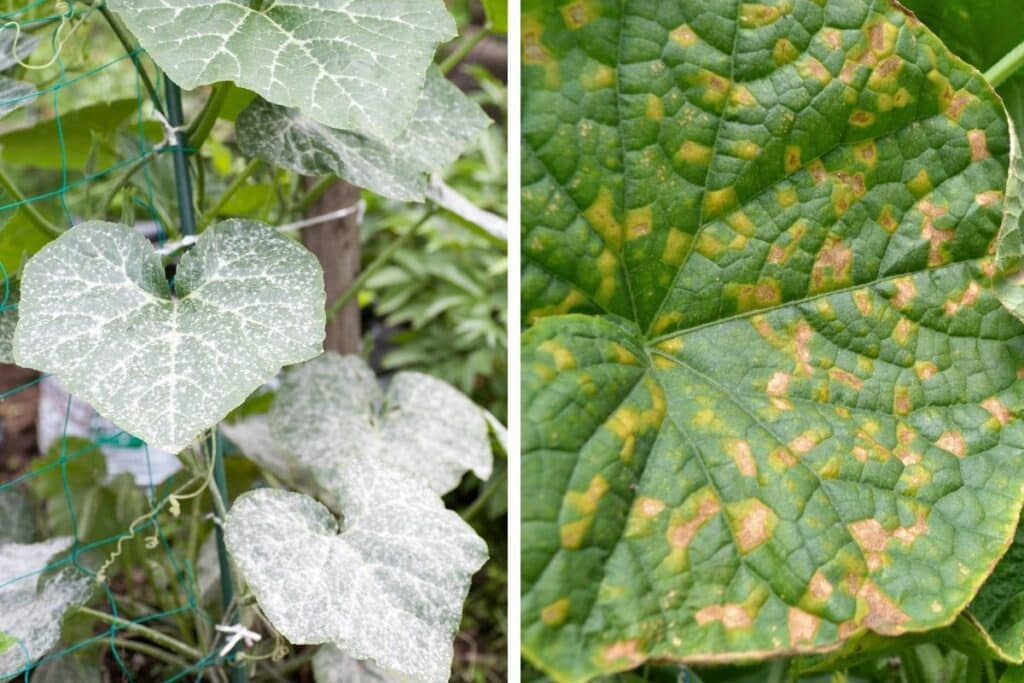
(14, 47)
(31, 605)
(446, 122)
(331, 665)
(97, 312)
(785, 414)
(352, 64)
(387, 586)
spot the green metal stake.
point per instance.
(183, 186)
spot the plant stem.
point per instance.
(154, 652)
(376, 265)
(490, 488)
(200, 128)
(316, 192)
(181, 178)
(235, 185)
(152, 634)
(464, 47)
(125, 177)
(1006, 67)
(30, 211)
(132, 50)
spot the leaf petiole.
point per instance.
(1006, 67)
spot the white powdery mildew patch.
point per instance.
(389, 587)
(97, 312)
(331, 665)
(445, 124)
(332, 411)
(31, 607)
(352, 64)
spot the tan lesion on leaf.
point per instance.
(579, 13)
(628, 652)
(715, 87)
(903, 331)
(925, 369)
(804, 442)
(819, 587)
(832, 37)
(803, 626)
(882, 614)
(740, 452)
(833, 265)
(988, 198)
(862, 300)
(978, 142)
(645, 506)
(683, 35)
(861, 118)
(687, 520)
(904, 445)
(802, 348)
(817, 171)
(694, 153)
(555, 613)
(535, 54)
(848, 378)
(936, 237)
(999, 411)
(901, 403)
(968, 298)
(741, 97)
(731, 616)
(953, 442)
(887, 221)
(906, 292)
(752, 523)
(756, 15)
(810, 68)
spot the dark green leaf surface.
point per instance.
(784, 414)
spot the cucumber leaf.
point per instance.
(770, 398)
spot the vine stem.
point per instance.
(235, 185)
(125, 39)
(30, 211)
(464, 47)
(155, 652)
(382, 258)
(150, 633)
(1006, 67)
(201, 126)
(316, 192)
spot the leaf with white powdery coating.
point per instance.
(97, 312)
(351, 64)
(31, 606)
(331, 665)
(786, 414)
(388, 586)
(331, 413)
(445, 123)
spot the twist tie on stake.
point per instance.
(238, 633)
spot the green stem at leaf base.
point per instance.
(383, 258)
(1005, 68)
(200, 128)
(210, 214)
(316, 192)
(463, 49)
(148, 633)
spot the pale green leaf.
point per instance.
(497, 14)
(388, 586)
(31, 606)
(332, 411)
(351, 64)
(446, 122)
(97, 312)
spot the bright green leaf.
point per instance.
(497, 14)
(357, 65)
(19, 239)
(31, 605)
(388, 586)
(786, 417)
(445, 124)
(97, 312)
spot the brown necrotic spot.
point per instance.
(731, 616)
(1000, 412)
(683, 35)
(882, 615)
(979, 145)
(953, 442)
(752, 522)
(802, 626)
(555, 613)
(742, 455)
(684, 527)
(624, 652)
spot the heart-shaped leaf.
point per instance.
(97, 312)
(445, 123)
(788, 414)
(387, 587)
(332, 410)
(352, 64)
(31, 605)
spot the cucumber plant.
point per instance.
(320, 88)
(771, 389)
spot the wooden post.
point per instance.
(336, 245)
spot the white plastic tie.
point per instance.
(238, 634)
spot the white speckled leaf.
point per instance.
(389, 587)
(351, 64)
(8, 321)
(14, 46)
(31, 607)
(332, 410)
(96, 311)
(331, 665)
(252, 436)
(445, 124)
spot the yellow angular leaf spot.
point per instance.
(881, 614)
(666, 321)
(1000, 412)
(714, 87)
(555, 613)
(886, 220)
(792, 158)
(663, 363)
(623, 355)
(756, 15)
(586, 502)
(694, 153)
(535, 54)
(655, 109)
(902, 331)
(596, 76)
(861, 118)
(600, 216)
(953, 442)
(572, 533)
(820, 588)
(578, 14)
(648, 507)
(753, 523)
(866, 153)
(746, 150)
(741, 223)
(563, 358)
(817, 170)
(686, 521)
(778, 385)
(847, 378)
(671, 346)
(571, 300)
(810, 68)
(676, 245)
(920, 184)
(740, 96)
(784, 52)
(979, 145)
(966, 300)
(639, 222)
(833, 266)
(786, 197)
(802, 626)
(717, 202)
(683, 35)
(906, 291)
(925, 369)
(862, 299)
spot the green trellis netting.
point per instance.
(104, 586)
